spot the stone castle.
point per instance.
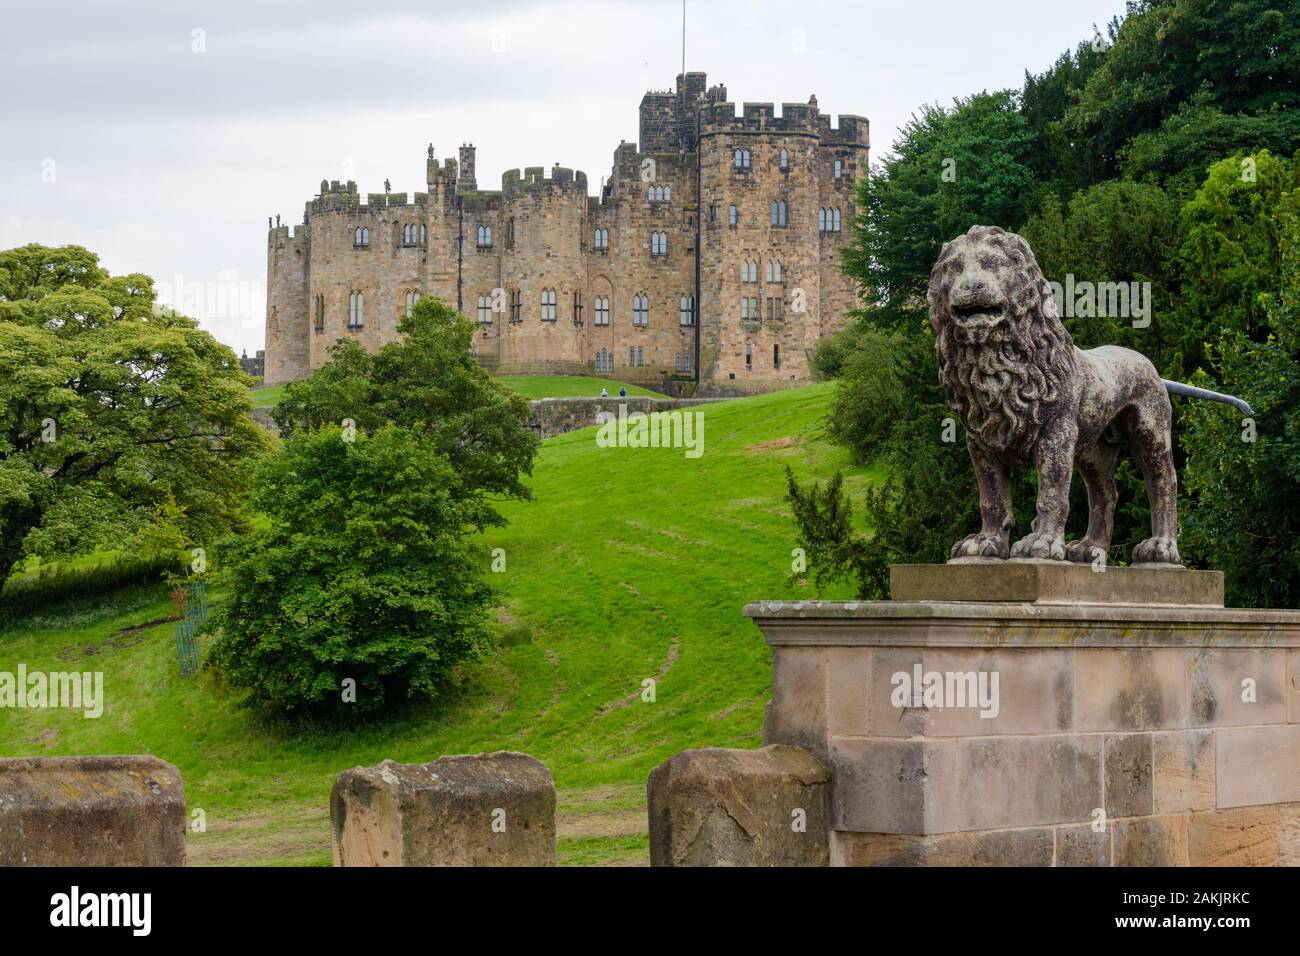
(710, 256)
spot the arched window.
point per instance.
(412, 296)
(821, 220)
(749, 356)
(424, 234)
(320, 313)
(836, 220)
(485, 310)
(778, 212)
(641, 309)
(742, 159)
(668, 194)
(356, 311)
(785, 161)
(774, 271)
(361, 238)
(602, 310)
(686, 310)
(485, 237)
(602, 240)
(548, 305)
(658, 243)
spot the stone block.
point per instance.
(1293, 684)
(767, 807)
(1031, 847)
(1243, 837)
(1053, 582)
(1031, 691)
(1118, 689)
(1288, 834)
(1257, 765)
(849, 696)
(1081, 845)
(796, 714)
(1215, 686)
(1150, 841)
(924, 786)
(1184, 770)
(1129, 766)
(91, 811)
(493, 809)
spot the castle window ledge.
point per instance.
(360, 245)
(484, 248)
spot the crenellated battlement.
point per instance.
(642, 280)
(535, 178)
(345, 200)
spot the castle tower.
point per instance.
(466, 183)
(776, 199)
(287, 334)
(543, 263)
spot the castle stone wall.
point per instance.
(688, 138)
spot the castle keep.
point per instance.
(710, 255)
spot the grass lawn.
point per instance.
(532, 386)
(629, 564)
(567, 386)
(267, 397)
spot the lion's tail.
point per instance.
(1191, 391)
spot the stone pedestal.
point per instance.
(1045, 714)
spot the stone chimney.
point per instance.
(466, 183)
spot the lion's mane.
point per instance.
(1005, 387)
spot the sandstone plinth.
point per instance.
(482, 810)
(91, 811)
(1067, 716)
(717, 807)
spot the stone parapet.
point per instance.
(1045, 728)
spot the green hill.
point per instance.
(630, 564)
(530, 386)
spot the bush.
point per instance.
(363, 573)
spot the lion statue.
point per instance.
(1028, 397)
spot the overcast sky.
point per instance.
(161, 134)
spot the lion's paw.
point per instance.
(1083, 551)
(1157, 551)
(980, 545)
(1040, 544)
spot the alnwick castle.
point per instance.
(710, 256)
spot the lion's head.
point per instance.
(1004, 356)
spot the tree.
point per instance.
(427, 381)
(1239, 56)
(363, 570)
(362, 573)
(952, 169)
(1243, 478)
(108, 409)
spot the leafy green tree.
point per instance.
(870, 396)
(108, 409)
(1242, 513)
(951, 169)
(429, 382)
(364, 572)
(361, 573)
(1232, 244)
(1239, 56)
